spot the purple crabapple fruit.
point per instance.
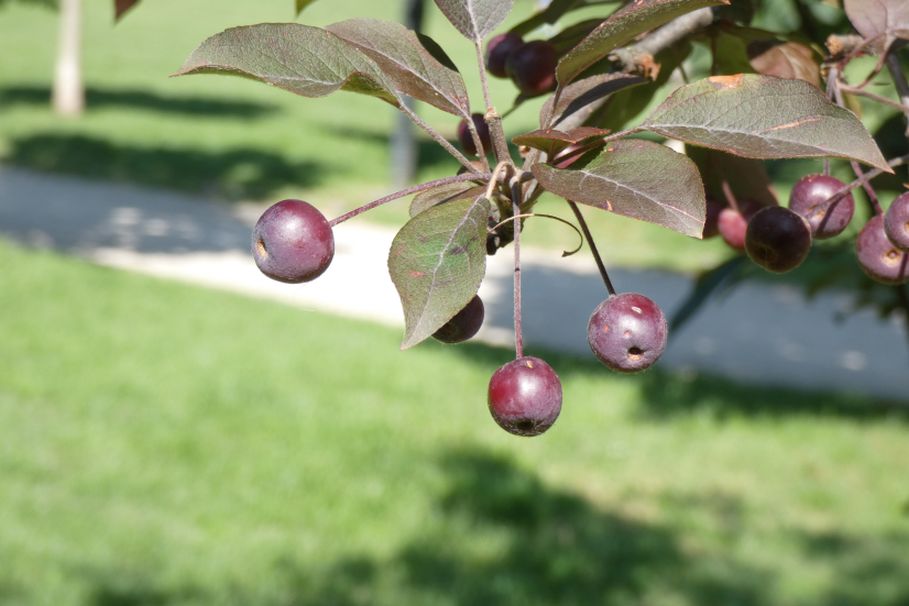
(466, 140)
(532, 68)
(811, 199)
(464, 325)
(733, 223)
(525, 396)
(896, 222)
(778, 239)
(878, 257)
(293, 242)
(498, 50)
(627, 332)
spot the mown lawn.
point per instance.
(162, 444)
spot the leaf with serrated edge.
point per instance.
(407, 63)
(475, 19)
(886, 18)
(622, 27)
(763, 117)
(304, 60)
(638, 179)
(437, 262)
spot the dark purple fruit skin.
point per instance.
(809, 198)
(878, 257)
(711, 222)
(464, 325)
(778, 239)
(532, 68)
(896, 222)
(525, 396)
(498, 50)
(293, 242)
(466, 139)
(627, 332)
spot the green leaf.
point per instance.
(437, 262)
(637, 179)
(304, 60)
(887, 19)
(579, 100)
(416, 66)
(475, 19)
(763, 117)
(622, 27)
(302, 4)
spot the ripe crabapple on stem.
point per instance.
(525, 396)
(532, 68)
(498, 50)
(464, 325)
(778, 239)
(627, 332)
(878, 257)
(896, 222)
(293, 242)
(814, 198)
(732, 223)
(465, 138)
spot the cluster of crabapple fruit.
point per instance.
(820, 207)
(293, 242)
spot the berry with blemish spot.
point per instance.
(525, 396)
(627, 332)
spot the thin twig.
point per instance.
(516, 191)
(409, 191)
(438, 138)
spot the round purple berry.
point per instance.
(778, 239)
(811, 198)
(532, 68)
(627, 332)
(878, 257)
(293, 242)
(498, 50)
(525, 396)
(464, 325)
(466, 139)
(896, 222)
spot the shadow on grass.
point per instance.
(236, 173)
(102, 98)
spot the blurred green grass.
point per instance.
(162, 444)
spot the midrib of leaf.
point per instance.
(638, 194)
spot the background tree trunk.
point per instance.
(404, 150)
(68, 92)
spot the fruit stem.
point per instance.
(864, 177)
(516, 193)
(593, 247)
(496, 132)
(833, 85)
(438, 138)
(407, 192)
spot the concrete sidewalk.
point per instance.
(758, 333)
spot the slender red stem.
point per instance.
(593, 247)
(518, 327)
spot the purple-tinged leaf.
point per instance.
(302, 4)
(443, 194)
(416, 66)
(304, 60)
(762, 117)
(122, 6)
(884, 19)
(552, 141)
(744, 178)
(437, 262)
(579, 100)
(475, 19)
(789, 60)
(637, 179)
(622, 27)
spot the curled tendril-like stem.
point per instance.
(565, 253)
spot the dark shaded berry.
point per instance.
(896, 222)
(293, 242)
(464, 325)
(498, 50)
(778, 239)
(878, 257)
(532, 68)
(525, 396)
(627, 332)
(811, 199)
(711, 222)
(466, 139)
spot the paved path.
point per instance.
(761, 333)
